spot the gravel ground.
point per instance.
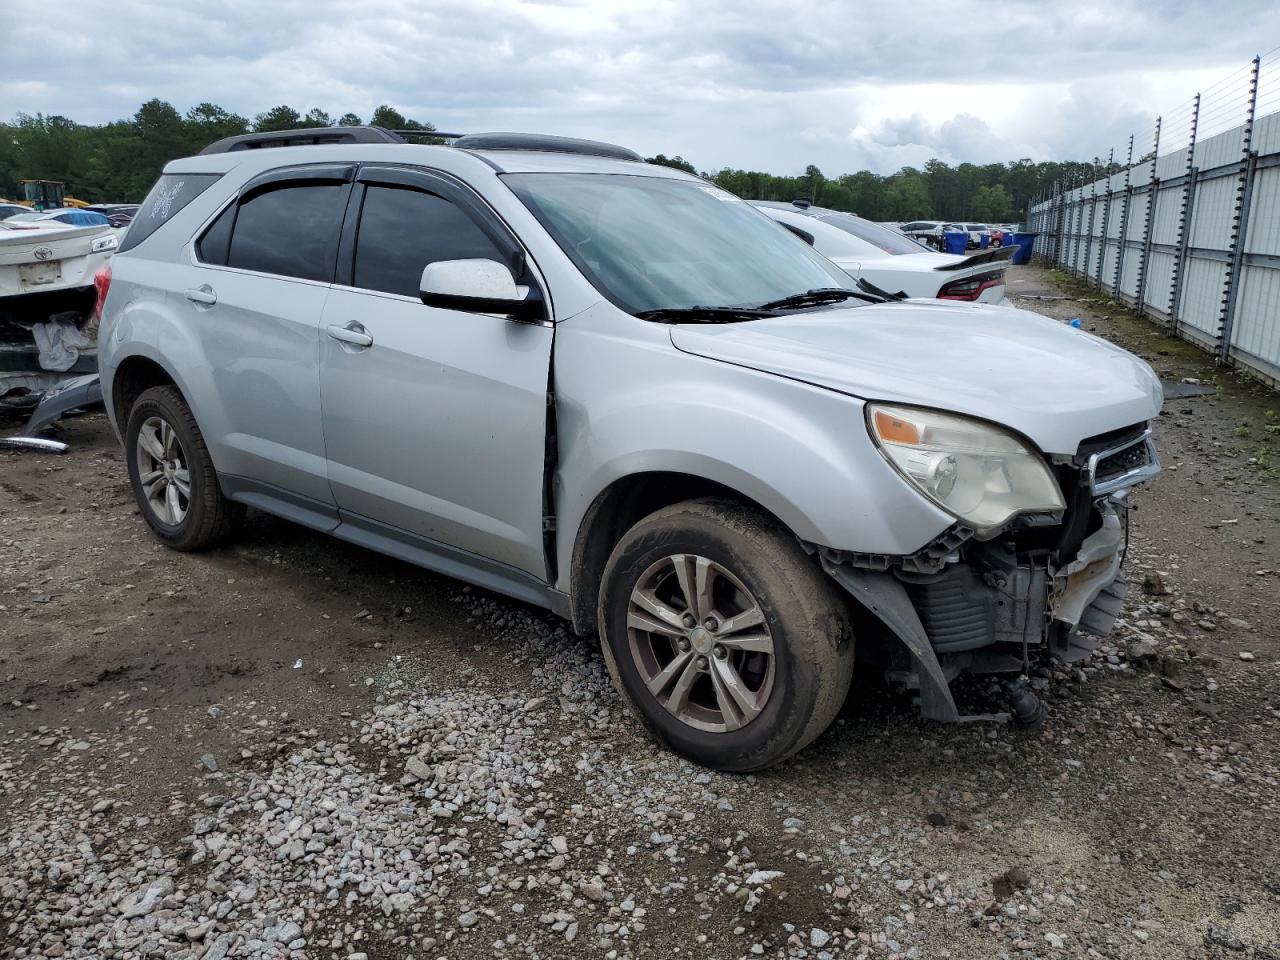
(294, 748)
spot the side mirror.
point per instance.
(477, 286)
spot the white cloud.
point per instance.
(761, 84)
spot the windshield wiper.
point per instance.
(815, 298)
(704, 314)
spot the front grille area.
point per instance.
(1122, 461)
(1107, 459)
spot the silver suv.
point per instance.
(616, 391)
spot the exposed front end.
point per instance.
(996, 600)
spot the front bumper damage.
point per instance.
(1048, 586)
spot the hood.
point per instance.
(1055, 384)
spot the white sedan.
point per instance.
(41, 255)
(891, 261)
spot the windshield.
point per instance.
(652, 243)
(890, 241)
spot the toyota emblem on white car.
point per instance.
(43, 253)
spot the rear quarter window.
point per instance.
(171, 193)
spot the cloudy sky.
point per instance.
(760, 84)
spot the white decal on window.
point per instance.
(165, 201)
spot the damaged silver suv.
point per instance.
(616, 391)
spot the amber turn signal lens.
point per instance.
(893, 429)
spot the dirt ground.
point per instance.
(213, 755)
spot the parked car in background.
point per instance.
(731, 456)
(120, 214)
(926, 231)
(12, 210)
(890, 261)
(41, 253)
(976, 232)
(69, 216)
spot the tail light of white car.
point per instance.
(971, 288)
(101, 284)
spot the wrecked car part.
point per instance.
(1044, 584)
(887, 599)
(1025, 708)
(59, 341)
(33, 443)
(78, 393)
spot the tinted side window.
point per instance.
(214, 245)
(403, 230)
(171, 193)
(291, 231)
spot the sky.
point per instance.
(756, 84)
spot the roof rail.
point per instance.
(309, 136)
(439, 134)
(312, 136)
(544, 143)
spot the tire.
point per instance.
(203, 517)
(751, 563)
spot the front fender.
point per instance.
(636, 405)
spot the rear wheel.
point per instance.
(172, 475)
(732, 647)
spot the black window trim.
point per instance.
(442, 185)
(280, 178)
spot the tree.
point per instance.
(991, 204)
(389, 117)
(317, 118)
(679, 163)
(350, 120)
(278, 118)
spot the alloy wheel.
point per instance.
(163, 471)
(700, 642)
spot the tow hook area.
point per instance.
(1025, 708)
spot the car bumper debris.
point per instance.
(1045, 587)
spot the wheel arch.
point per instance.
(133, 375)
(618, 507)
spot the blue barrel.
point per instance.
(984, 240)
(1025, 243)
(956, 241)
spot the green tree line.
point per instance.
(119, 161)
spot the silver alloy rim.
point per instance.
(163, 472)
(701, 643)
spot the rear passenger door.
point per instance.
(436, 429)
(265, 265)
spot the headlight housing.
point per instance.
(978, 472)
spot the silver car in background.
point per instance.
(616, 391)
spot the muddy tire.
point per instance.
(172, 475)
(729, 643)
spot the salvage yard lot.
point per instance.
(294, 747)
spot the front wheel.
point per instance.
(730, 644)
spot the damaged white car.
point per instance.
(47, 296)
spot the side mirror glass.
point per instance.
(477, 286)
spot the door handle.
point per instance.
(353, 333)
(202, 294)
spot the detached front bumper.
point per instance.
(1047, 587)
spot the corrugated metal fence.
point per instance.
(1189, 234)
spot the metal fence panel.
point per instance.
(1191, 235)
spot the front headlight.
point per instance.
(980, 473)
(109, 242)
